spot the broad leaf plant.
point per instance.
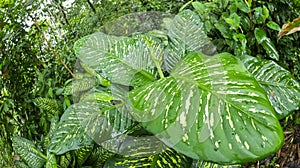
(166, 98)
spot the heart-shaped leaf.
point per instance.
(210, 108)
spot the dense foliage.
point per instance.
(37, 91)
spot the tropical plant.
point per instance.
(157, 99)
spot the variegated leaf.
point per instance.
(28, 152)
(168, 158)
(186, 33)
(86, 121)
(282, 88)
(51, 161)
(51, 106)
(121, 61)
(82, 154)
(135, 146)
(98, 157)
(203, 164)
(92, 48)
(210, 108)
(69, 134)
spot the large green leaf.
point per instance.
(283, 90)
(28, 152)
(167, 158)
(94, 118)
(92, 48)
(210, 108)
(121, 61)
(69, 134)
(186, 33)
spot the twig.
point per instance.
(49, 44)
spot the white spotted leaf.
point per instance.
(282, 88)
(85, 122)
(28, 152)
(126, 61)
(186, 33)
(210, 108)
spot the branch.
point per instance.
(63, 13)
(91, 5)
(48, 43)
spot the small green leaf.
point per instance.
(249, 3)
(265, 12)
(199, 6)
(260, 35)
(267, 44)
(260, 15)
(273, 25)
(51, 161)
(234, 21)
(223, 29)
(242, 6)
(245, 22)
(50, 106)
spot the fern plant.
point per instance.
(165, 98)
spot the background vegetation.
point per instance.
(30, 71)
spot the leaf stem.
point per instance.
(156, 61)
(48, 43)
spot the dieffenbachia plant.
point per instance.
(218, 108)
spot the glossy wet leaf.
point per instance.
(210, 108)
(28, 152)
(282, 88)
(260, 15)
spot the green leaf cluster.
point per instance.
(170, 100)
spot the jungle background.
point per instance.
(30, 70)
